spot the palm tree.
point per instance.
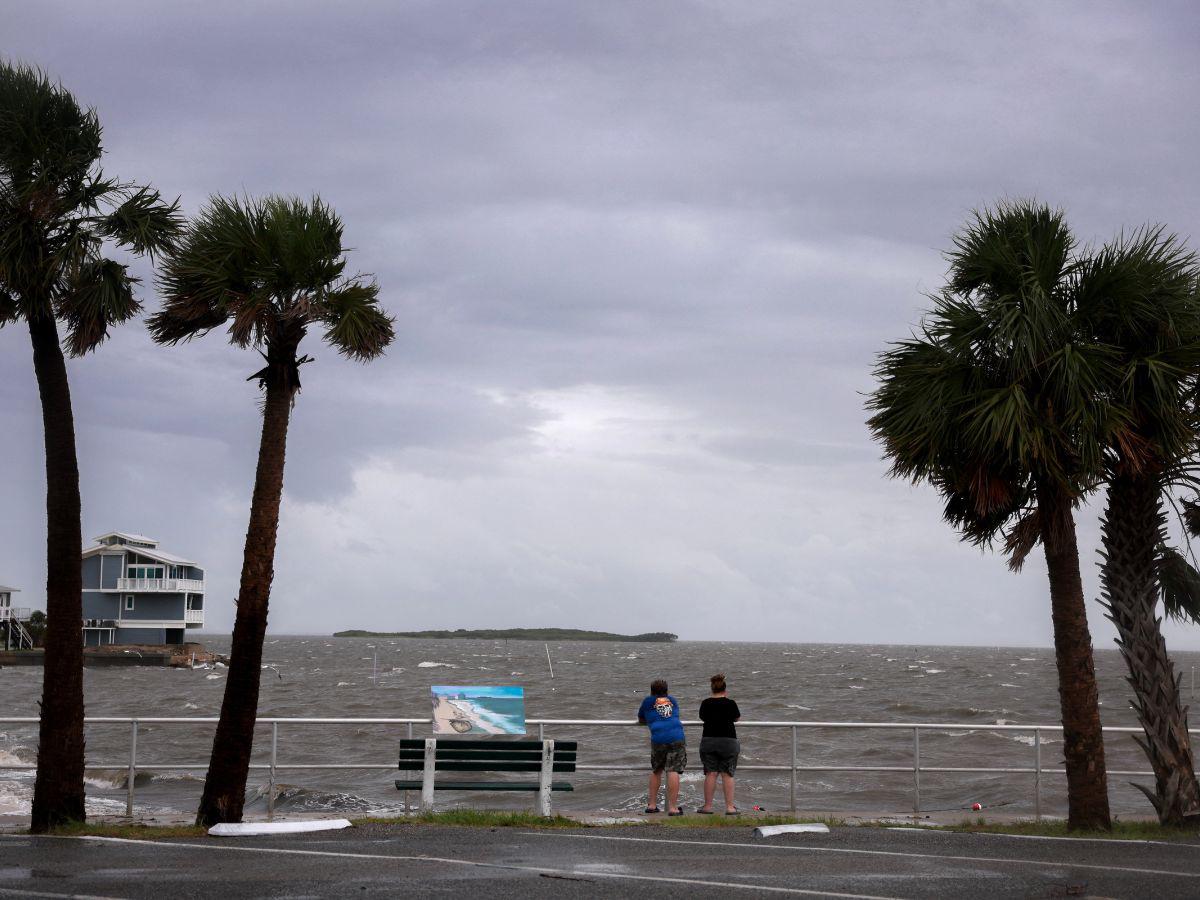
(994, 404)
(57, 214)
(1138, 295)
(271, 269)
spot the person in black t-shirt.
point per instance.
(719, 747)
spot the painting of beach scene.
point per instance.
(478, 709)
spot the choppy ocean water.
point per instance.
(332, 677)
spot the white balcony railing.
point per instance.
(193, 617)
(20, 613)
(165, 585)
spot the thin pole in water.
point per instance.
(375, 668)
(548, 661)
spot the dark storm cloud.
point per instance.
(640, 256)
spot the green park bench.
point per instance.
(429, 756)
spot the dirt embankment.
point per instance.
(178, 655)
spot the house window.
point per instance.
(129, 601)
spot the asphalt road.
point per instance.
(377, 861)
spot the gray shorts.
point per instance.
(719, 754)
(671, 757)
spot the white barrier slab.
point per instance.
(239, 829)
(772, 830)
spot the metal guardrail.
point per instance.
(1037, 770)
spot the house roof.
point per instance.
(140, 538)
(8, 590)
(154, 553)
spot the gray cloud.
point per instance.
(641, 257)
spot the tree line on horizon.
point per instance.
(268, 269)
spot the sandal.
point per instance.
(733, 812)
(704, 812)
(678, 812)
(651, 810)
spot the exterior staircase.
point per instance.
(16, 635)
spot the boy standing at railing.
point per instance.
(668, 752)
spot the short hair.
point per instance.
(658, 687)
(718, 683)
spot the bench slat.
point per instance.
(459, 766)
(484, 786)
(463, 744)
(497, 756)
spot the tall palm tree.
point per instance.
(58, 216)
(994, 404)
(271, 269)
(1138, 295)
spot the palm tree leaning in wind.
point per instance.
(993, 404)
(1138, 295)
(57, 213)
(271, 269)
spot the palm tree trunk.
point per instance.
(58, 792)
(1133, 530)
(225, 786)
(1083, 740)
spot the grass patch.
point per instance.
(133, 830)
(474, 818)
(720, 820)
(1121, 831)
(479, 818)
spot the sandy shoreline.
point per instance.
(445, 710)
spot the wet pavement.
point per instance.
(409, 860)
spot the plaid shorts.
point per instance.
(669, 757)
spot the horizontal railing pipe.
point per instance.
(915, 768)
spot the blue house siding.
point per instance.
(91, 573)
(141, 635)
(112, 570)
(99, 606)
(155, 616)
(154, 607)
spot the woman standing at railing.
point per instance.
(719, 747)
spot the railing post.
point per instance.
(1037, 774)
(916, 771)
(427, 775)
(132, 769)
(545, 777)
(410, 724)
(793, 772)
(541, 732)
(271, 776)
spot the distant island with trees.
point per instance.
(519, 634)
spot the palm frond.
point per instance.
(1020, 539)
(48, 143)
(100, 295)
(269, 267)
(1179, 583)
(144, 223)
(356, 326)
(1191, 516)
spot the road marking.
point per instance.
(8, 892)
(1050, 837)
(569, 873)
(847, 850)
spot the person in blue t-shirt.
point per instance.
(668, 752)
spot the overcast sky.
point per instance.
(641, 257)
